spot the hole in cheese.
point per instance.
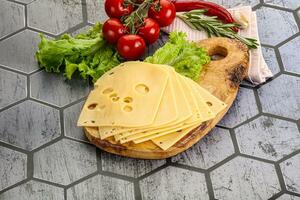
(127, 99)
(93, 121)
(142, 88)
(115, 99)
(127, 108)
(111, 73)
(107, 91)
(92, 106)
(209, 103)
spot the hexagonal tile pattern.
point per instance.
(54, 16)
(62, 91)
(268, 138)
(236, 3)
(292, 4)
(71, 115)
(174, 183)
(243, 178)
(95, 11)
(13, 167)
(18, 51)
(290, 55)
(102, 188)
(29, 125)
(13, 88)
(290, 170)
(275, 26)
(64, 162)
(12, 18)
(34, 190)
(281, 97)
(288, 197)
(271, 60)
(213, 148)
(128, 166)
(243, 108)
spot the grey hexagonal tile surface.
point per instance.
(12, 18)
(271, 60)
(18, 51)
(70, 122)
(290, 170)
(102, 188)
(243, 108)
(95, 11)
(13, 87)
(243, 178)
(34, 190)
(292, 4)
(268, 138)
(29, 125)
(288, 197)
(213, 148)
(290, 55)
(54, 16)
(13, 167)
(275, 26)
(281, 96)
(174, 183)
(236, 3)
(62, 91)
(128, 166)
(64, 162)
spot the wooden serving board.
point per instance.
(221, 77)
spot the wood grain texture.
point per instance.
(220, 77)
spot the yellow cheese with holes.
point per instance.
(166, 113)
(129, 95)
(137, 102)
(166, 116)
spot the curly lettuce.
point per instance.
(187, 58)
(87, 53)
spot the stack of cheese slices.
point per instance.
(136, 102)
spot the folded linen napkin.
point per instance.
(258, 72)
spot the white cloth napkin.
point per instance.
(258, 72)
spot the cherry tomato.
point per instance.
(131, 47)
(112, 30)
(116, 8)
(150, 31)
(164, 13)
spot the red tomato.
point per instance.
(131, 47)
(165, 14)
(112, 30)
(150, 31)
(116, 8)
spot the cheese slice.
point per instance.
(166, 141)
(166, 113)
(128, 95)
(184, 109)
(181, 130)
(215, 104)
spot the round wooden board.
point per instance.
(221, 77)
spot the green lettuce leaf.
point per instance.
(187, 58)
(87, 53)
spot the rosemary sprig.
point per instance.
(214, 27)
(136, 18)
